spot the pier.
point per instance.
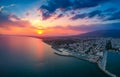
(102, 65)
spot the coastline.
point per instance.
(105, 71)
(70, 55)
(58, 52)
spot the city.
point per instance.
(91, 49)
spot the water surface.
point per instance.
(113, 63)
(30, 57)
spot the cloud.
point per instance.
(79, 16)
(12, 20)
(88, 15)
(3, 7)
(106, 15)
(13, 17)
(27, 14)
(95, 27)
(51, 6)
(59, 16)
(4, 19)
(111, 10)
(13, 5)
(94, 13)
(87, 28)
(114, 16)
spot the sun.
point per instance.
(40, 31)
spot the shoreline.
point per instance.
(106, 71)
(58, 52)
(98, 64)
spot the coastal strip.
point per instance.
(105, 71)
(63, 53)
(102, 65)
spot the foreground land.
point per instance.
(89, 49)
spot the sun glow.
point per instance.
(40, 31)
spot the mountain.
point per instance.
(101, 33)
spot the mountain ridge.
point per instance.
(101, 33)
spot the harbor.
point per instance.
(101, 64)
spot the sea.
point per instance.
(30, 57)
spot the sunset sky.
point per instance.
(58, 17)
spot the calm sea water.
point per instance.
(113, 63)
(30, 57)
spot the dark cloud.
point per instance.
(114, 16)
(49, 9)
(53, 5)
(111, 10)
(59, 16)
(94, 13)
(14, 16)
(79, 16)
(88, 15)
(6, 21)
(103, 15)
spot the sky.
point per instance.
(58, 17)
